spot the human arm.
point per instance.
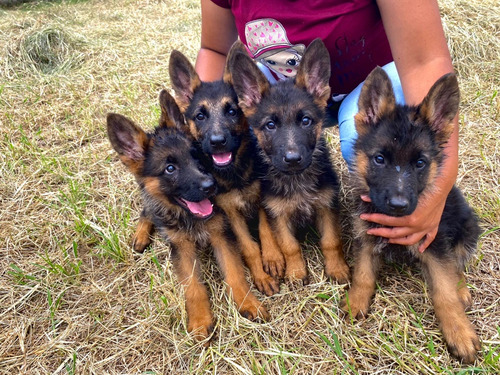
(218, 33)
(421, 56)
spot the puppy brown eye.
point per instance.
(231, 112)
(420, 164)
(200, 116)
(379, 159)
(271, 125)
(306, 121)
(170, 169)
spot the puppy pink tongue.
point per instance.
(203, 208)
(222, 159)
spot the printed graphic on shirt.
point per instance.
(268, 45)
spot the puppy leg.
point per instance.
(331, 245)
(231, 265)
(272, 258)
(186, 267)
(251, 252)
(444, 282)
(142, 236)
(290, 247)
(463, 291)
(357, 300)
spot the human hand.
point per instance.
(422, 224)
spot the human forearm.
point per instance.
(210, 64)
(218, 33)
(418, 44)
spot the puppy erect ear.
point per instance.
(128, 140)
(237, 47)
(171, 116)
(184, 78)
(248, 81)
(440, 106)
(376, 100)
(314, 71)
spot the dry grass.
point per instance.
(74, 299)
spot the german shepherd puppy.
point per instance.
(176, 192)
(399, 153)
(300, 183)
(218, 125)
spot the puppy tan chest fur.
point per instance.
(304, 204)
(241, 200)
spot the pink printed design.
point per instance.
(261, 36)
(268, 44)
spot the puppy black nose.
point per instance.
(217, 140)
(398, 203)
(292, 157)
(207, 185)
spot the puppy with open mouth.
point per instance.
(177, 194)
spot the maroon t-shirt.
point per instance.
(277, 32)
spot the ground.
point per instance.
(74, 298)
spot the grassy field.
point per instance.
(74, 298)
